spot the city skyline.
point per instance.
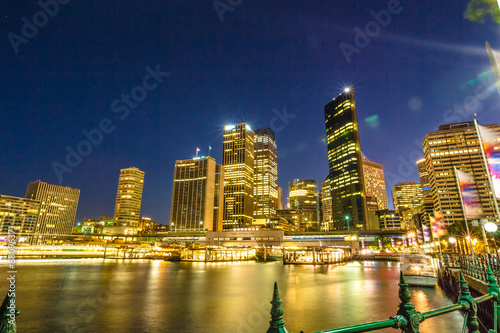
(70, 88)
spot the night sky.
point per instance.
(264, 55)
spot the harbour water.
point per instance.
(157, 296)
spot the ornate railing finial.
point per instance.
(276, 325)
(8, 314)
(407, 318)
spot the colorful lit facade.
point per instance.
(304, 199)
(58, 206)
(345, 163)
(265, 191)
(374, 182)
(194, 198)
(456, 145)
(129, 197)
(238, 162)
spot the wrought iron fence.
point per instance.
(407, 318)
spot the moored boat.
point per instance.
(418, 270)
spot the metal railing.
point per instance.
(407, 318)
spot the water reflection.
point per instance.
(157, 296)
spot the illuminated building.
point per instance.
(407, 196)
(218, 198)
(372, 203)
(194, 195)
(20, 214)
(326, 205)
(424, 177)
(280, 198)
(456, 145)
(58, 206)
(345, 163)
(265, 174)
(146, 226)
(129, 197)
(291, 215)
(238, 162)
(304, 199)
(375, 185)
(388, 220)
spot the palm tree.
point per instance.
(478, 10)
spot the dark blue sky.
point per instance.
(263, 55)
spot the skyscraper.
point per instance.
(238, 162)
(196, 195)
(58, 206)
(375, 184)
(345, 163)
(456, 145)
(407, 197)
(129, 197)
(304, 199)
(265, 174)
(326, 205)
(20, 214)
(424, 177)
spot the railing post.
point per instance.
(276, 325)
(407, 318)
(471, 309)
(494, 289)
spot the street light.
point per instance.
(452, 241)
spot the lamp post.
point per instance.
(452, 241)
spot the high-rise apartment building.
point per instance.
(129, 197)
(456, 145)
(265, 174)
(345, 163)
(374, 181)
(305, 200)
(196, 198)
(238, 162)
(19, 214)
(326, 205)
(424, 177)
(58, 206)
(407, 197)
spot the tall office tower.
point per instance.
(280, 198)
(20, 214)
(304, 199)
(58, 206)
(456, 145)
(424, 177)
(345, 163)
(194, 195)
(407, 196)
(326, 205)
(218, 198)
(375, 184)
(238, 161)
(265, 168)
(129, 197)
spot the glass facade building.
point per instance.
(345, 163)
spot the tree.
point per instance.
(478, 10)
